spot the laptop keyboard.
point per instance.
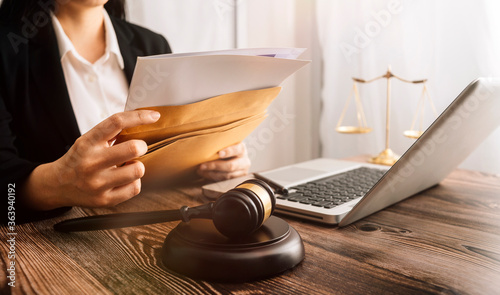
(335, 190)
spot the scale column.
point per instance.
(387, 156)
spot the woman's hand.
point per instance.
(233, 162)
(91, 173)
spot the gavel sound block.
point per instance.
(197, 250)
(235, 238)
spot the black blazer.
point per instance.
(37, 123)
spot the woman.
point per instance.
(66, 66)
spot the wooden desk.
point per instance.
(444, 240)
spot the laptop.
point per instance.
(353, 190)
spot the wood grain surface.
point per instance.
(445, 240)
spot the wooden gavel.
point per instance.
(236, 213)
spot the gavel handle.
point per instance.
(118, 220)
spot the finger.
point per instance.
(233, 164)
(116, 195)
(109, 128)
(237, 150)
(122, 193)
(113, 186)
(119, 176)
(123, 152)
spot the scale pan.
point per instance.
(412, 133)
(352, 129)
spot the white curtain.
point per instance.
(448, 42)
(188, 25)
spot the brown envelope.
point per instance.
(188, 135)
(171, 140)
(212, 112)
(180, 157)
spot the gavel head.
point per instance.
(243, 209)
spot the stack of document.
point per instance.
(208, 101)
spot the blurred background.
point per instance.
(450, 43)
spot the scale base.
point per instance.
(197, 250)
(386, 157)
(414, 134)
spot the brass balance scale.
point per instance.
(387, 156)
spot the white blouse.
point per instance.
(96, 90)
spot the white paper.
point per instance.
(177, 79)
(289, 53)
